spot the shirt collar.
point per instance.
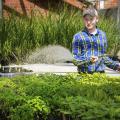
(85, 30)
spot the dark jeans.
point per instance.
(79, 71)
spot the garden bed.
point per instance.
(56, 97)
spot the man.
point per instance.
(91, 43)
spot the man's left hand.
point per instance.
(94, 59)
(119, 67)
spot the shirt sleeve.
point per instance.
(110, 63)
(77, 48)
(107, 61)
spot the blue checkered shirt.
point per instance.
(86, 45)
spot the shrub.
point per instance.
(49, 97)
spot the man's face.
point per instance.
(90, 22)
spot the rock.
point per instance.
(50, 54)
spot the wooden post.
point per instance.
(1, 9)
(63, 117)
(118, 15)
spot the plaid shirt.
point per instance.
(86, 45)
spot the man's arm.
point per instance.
(77, 48)
(111, 64)
(118, 67)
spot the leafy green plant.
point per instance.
(49, 96)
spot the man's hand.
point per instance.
(119, 67)
(94, 59)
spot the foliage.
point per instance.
(112, 33)
(20, 36)
(49, 97)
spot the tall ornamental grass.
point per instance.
(113, 34)
(20, 36)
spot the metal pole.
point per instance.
(1, 9)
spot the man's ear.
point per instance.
(97, 20)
